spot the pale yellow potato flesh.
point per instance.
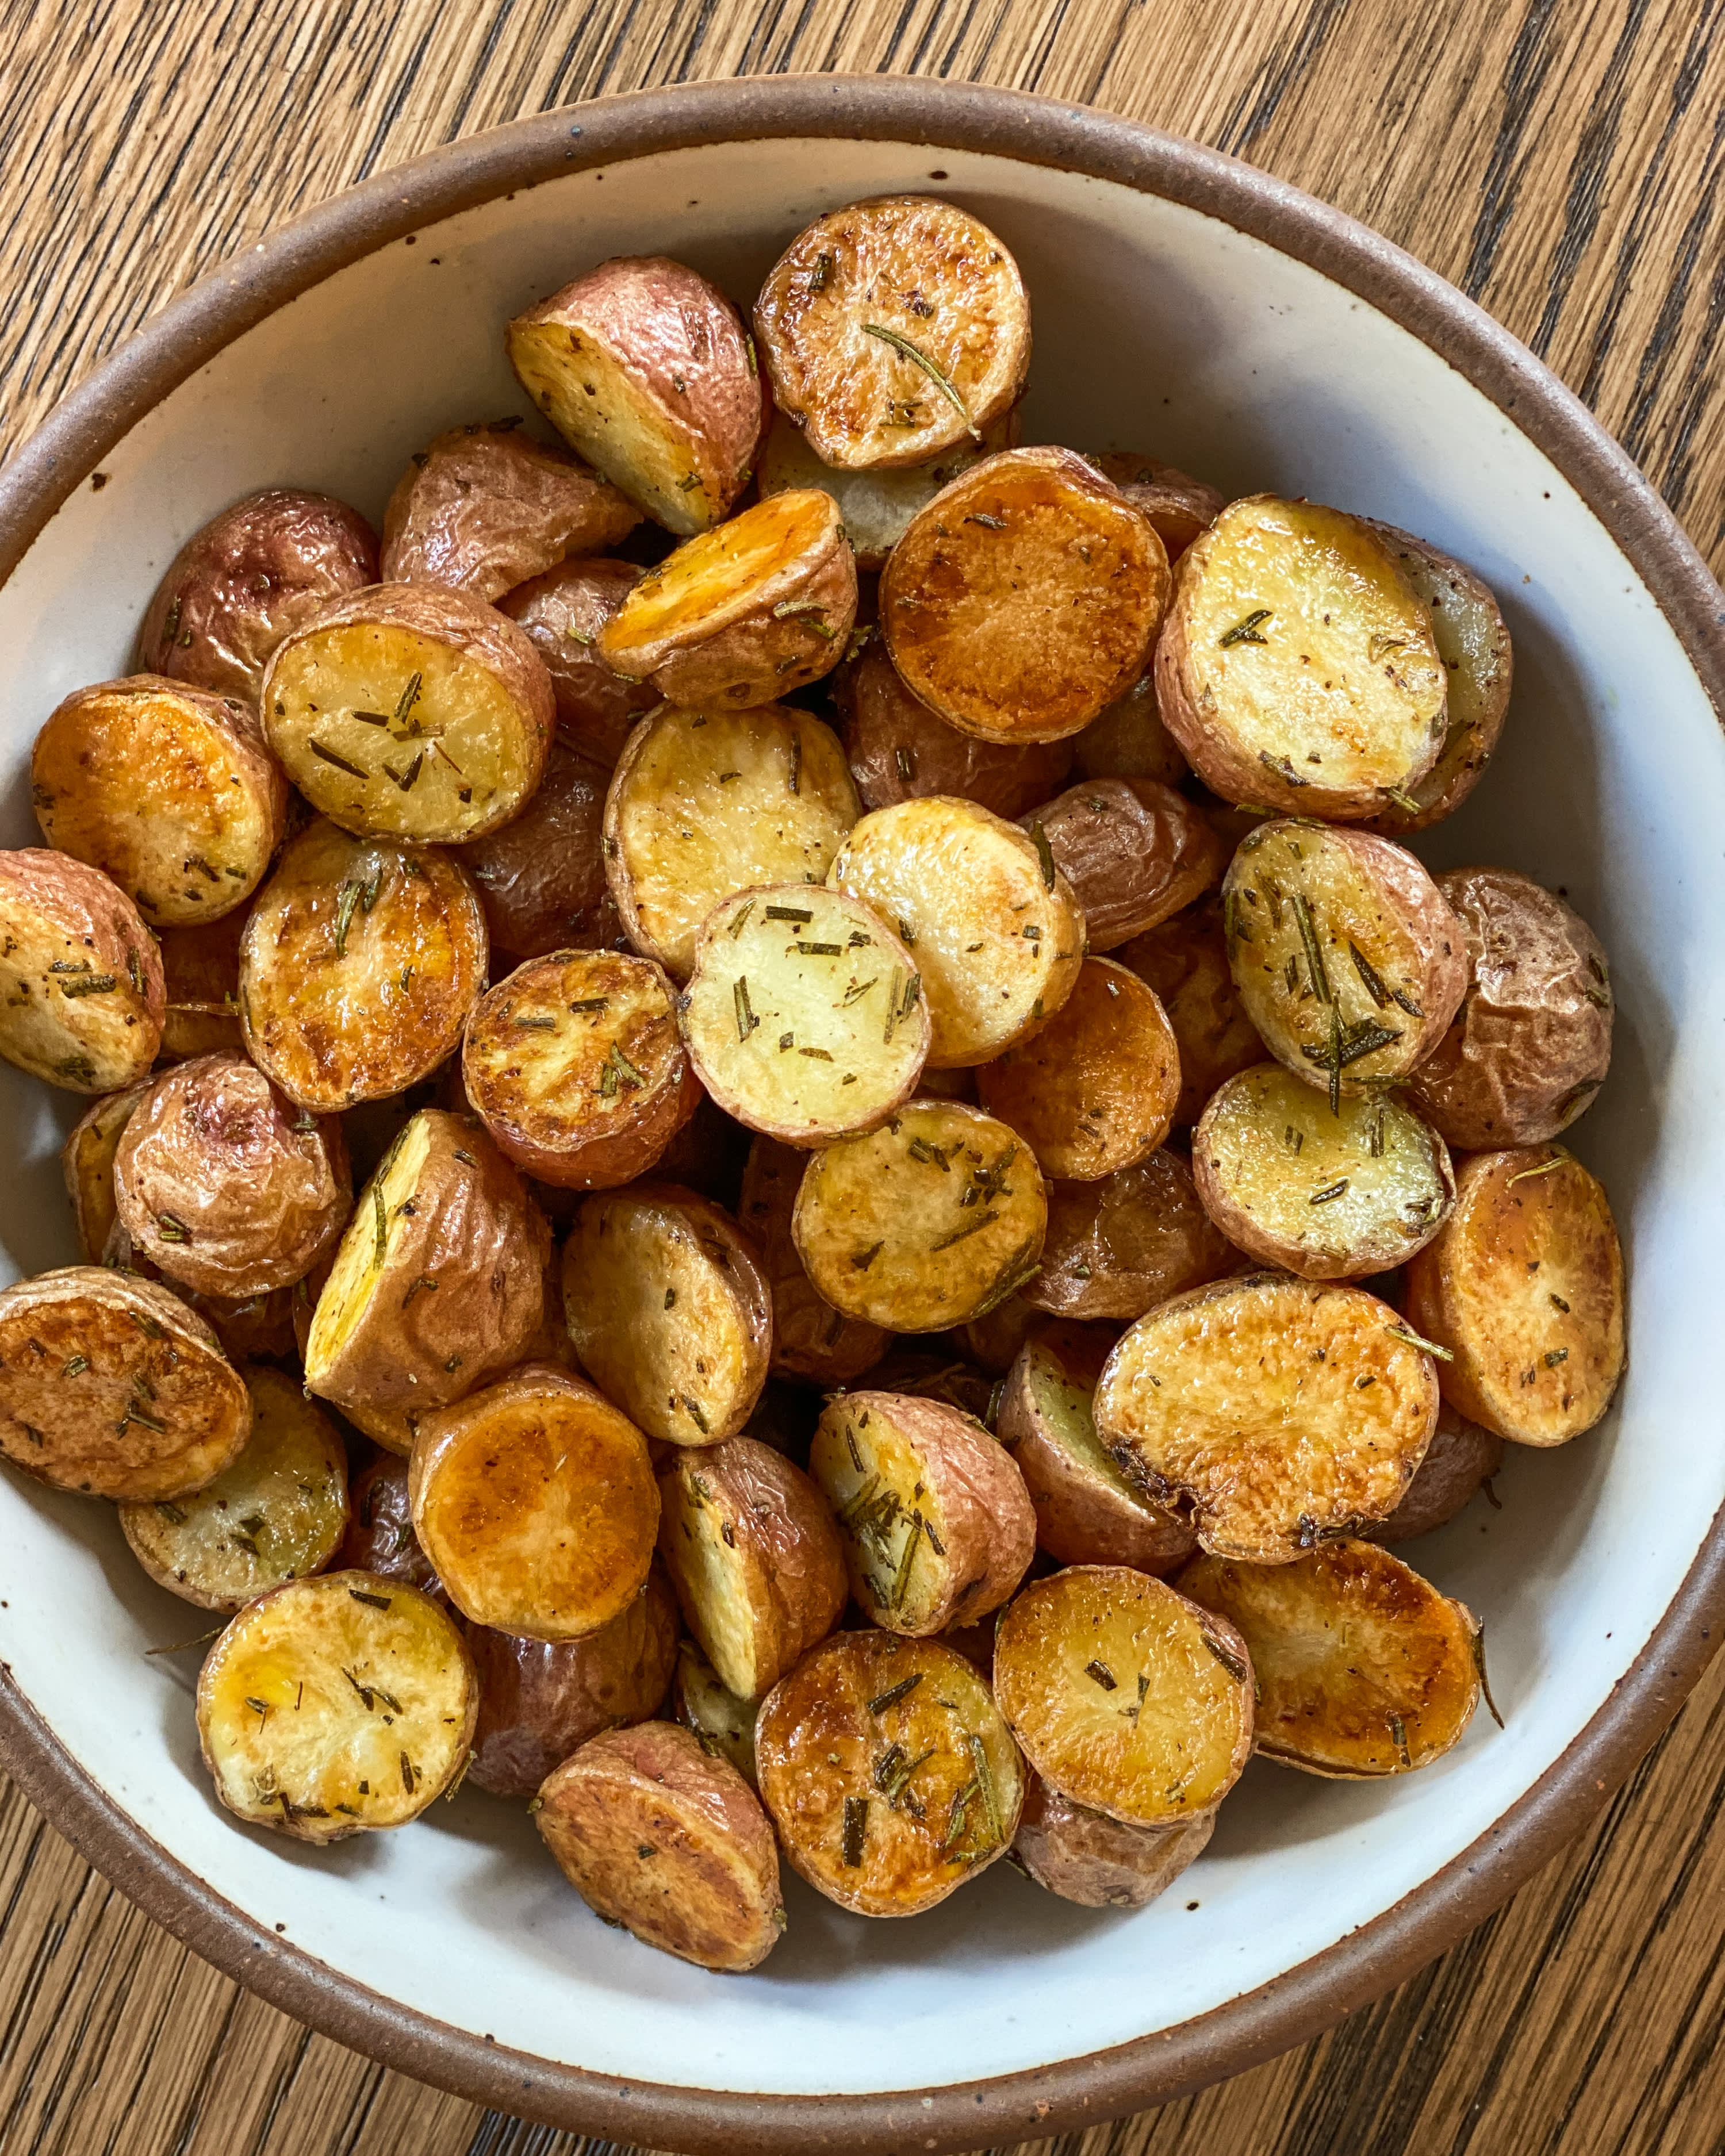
(722, 1723)
(87, 1163)
(877, 503)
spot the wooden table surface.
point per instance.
(1561, 162)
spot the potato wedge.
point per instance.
(889, 1771)
(1347, 956)
(1525, 1289)
(359, 964)
(1177, 505)
(277, 1512)
(1299, 667)
(1116, 1248)
(1127, 739)
(1330, 1195)
(723, 1724)
(1101, 1863)
(1363, 1667)
(1133, 850)
(670, 1310)
(1278, 1411)
(225, 1185)
(200, 972)
(936, 1525)
(738, 615)
(411, 712)
(1026, 598)
(380, 1535)
(562, 613)
(81, 995)
(811, 1341)
(542, 878)
(704, 803)
(995, 926)
(657, 1835)
(646, 369)
(575, 1066)
(893, 330)
(1530, 1044)
(876, 503)
(333, 1704)
(87, 1163)
(1128, 1697)
(924, 1223)
(1459, 1461)
(1096, 1092)
(1185, 960)
(111, 1387)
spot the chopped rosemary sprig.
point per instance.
(901, 1690)
(1415, 1340)
(746, 1020)
(856, 1827)
(1044, 854)
(918, 357)
(1246, 631)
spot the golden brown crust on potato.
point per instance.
(562, 613)
(87, 1163)
(542, 878)
(723, 1724)
(1185, 960)
(1525, 1288)
(1024, 599)
(200, 970)
(380, 1528)
(1116, 1248)
(811, 1340)
(1133, 851)
(1461, 1459)
(1177, 505)
(877, 503)
(81, 994)
(1101, 1863)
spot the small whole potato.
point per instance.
(561, 614)
(380, 1535)
(1185, 960)
(1133, 850)
(82, 1000)
(1116, 1248)
(542, 878)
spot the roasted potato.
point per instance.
(1116, 1248)
(200, 972)
(1102, 1863)
(380, 1535)
(1277, 1410)
(1178, 506)
(1531, 1044)
(1363, 1667)
(1461, 1461)
(277, 1512)
(225, 1185)
(1330, 1194)
(657, 1835)
(562, 613)
(917, 1227)
(1185, 960)
(245, 580)
(723, 1724)
(246, 1326)
(704, 803)
(708, 1156)
(336, 1704)
(111, 1387)
(1346, 954)
(1128, 1698)
(359, 964)
(81, 994)
(1127, 739)
(87, 1163)
(888, 1771)
(1024, 599)
(542, 878)
(1524, 1290)
(811, 1341)
(1096, 1092)
(995, 926)
(1133, 850)
(575, 1066)
(670, 1310)
(439, 1280)
(411, 712)
(646, 369)
(875, 503)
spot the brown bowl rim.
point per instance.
(1072, 2093)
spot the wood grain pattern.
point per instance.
(1563, 161)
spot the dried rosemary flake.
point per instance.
(372, 1601)
(794, 781)
(1398, 1730)
(862, 1259)
(1545, 1167)
(409, 697)
(787, 913)
(1246, 631)
(347, 903)
(1045, 853)
(907, 769)
(538, 1024)
(1555, 1356)
(1281, 766)
(1405, 801)
(173, 1514)
(907, 1558)
(1100, 1673)
(1226, 1656)
(341, 762)
(982, 1221)
(988, 523)
(985, 1782)
(856, 1827)
(592, 1004)
(746, 1020)
(90, 984)
(902, 1690)
(820, 950)
(1331, 1190)
(380, 1225)
(736, 925)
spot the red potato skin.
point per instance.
(1461, 1459)
(1101, 1863)
(1089, 1271)
(811, 1341)
(542, 878)
(380, 1530)
(98, 917)
(1135, 852)
(562, 613)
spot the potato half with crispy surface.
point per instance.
(1126, 1697)
(561, 614)
(1134, 852)
(1128, 740)
(811, 1340)
(1279, 1410)
(336, 1704)
(1026, 598)
(704, 803)
(200, 972)
(81, 995)
(542, 878)
(1101, 1863)
(889, 1771)
(1459, 1461)
(876, 504)
(87, 1163)
(1525, 1289)
(1185, 960)
(1116, 1248)
(1178, 505)
(1363, 1667)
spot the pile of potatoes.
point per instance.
(936, 1183)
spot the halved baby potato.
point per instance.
(1178, 506)
(669, 1310)
(410, 711)
(878, 502)
(542, 878)
(1134, 852)
(1101, 1863)
(87, 1163)
(811, 1340)
(277, 1512)
(1026, 598)
(937, 1525)
(81, 995)
(1459, 1462)
(888, 1770)
(1117, 1247)
(562, 613)
(1127, 739)
(1328, 1194)
(200, 972)
(723, 1725)
(333, 1704)
(1363, 1667)
(1128, 1697)
(1185, 960)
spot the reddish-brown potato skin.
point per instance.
(1116, 1248)
(1461, 1458)
(1178, 506)
(95, 925)
(247, 579)
(1101, 1863)
(811, 1340)
(992, 1342)
(542, 878)
(200, 969)
(1185, 960)
(1134, 852)
(562, 613)
(380, 1529)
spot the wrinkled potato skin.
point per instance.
(1178, 506)
(562, 613)
(1133, 851)
(200, 969)
(380, 1528)
(1099, 1862)
(248, 578)
(811, 1341)
(58, 913)
(542, 878)
(1530, 1044)
(1461, 1459)
(87, 1163)
(1185, 960)
(900, 751)
(1128, 740)
(1116, 1248)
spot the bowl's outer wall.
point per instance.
(1161, 328)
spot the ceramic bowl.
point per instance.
(1186, 305)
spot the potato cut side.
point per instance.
(1026, 598)
(893, 330)
(1127, 739)
(1101, 1863)
(542, 878)
(277, 1511)
(992, 924)
(111, 1387)
(669, 1310)
(1525, 1289)
(1299, 667)
(1363, 1667)
(1185, 960)
(1178, 505)
(810, 1339)
(1330, 1195)
(87, 1164)
(1279, 1411)
(81, 996)
(1459, 1462)
(336, 1704)
(1126, 1697)
(1118, 1247)
(704, 803)
(723, 1725)
(924, 1223)
(888, 1770)
(1347, 956)
(876, 504)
